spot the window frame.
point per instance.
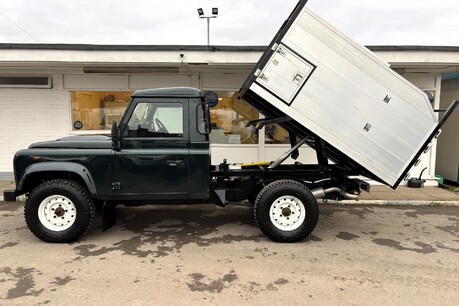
(127, 116)
(48, 85)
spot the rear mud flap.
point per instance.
(108, 216)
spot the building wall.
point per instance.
(448, 142)
(431, 83)
(31, 115)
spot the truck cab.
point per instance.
(161, 146)
(159, 151)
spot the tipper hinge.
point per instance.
(261, 123)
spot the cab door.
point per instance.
(153, 160)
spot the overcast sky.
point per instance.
(240, 22)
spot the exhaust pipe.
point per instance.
(320, 193)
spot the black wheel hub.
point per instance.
(59, 212)
(286, 212)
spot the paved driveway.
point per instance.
(184, 255)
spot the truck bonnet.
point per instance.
(77, 142)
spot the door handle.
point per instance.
(175, 163)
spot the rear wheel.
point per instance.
(59, 211)
(286, 211)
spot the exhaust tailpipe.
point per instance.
(320, 193)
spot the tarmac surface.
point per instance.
(191, 255)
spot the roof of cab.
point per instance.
(182, 92)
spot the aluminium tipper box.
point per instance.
(340, 91)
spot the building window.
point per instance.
(25, 81)
(96, 110)
(229, 117)
(275, 134)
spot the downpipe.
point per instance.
(320, 193)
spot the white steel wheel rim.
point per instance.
(57, 213)
(287, 213)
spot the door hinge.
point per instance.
(116, 186)
(264, 78)
(282, 52)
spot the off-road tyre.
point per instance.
(286, 211)
(76, 210)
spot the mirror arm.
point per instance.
(115, 135)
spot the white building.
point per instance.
(47, 91)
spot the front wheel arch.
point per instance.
(37, 174)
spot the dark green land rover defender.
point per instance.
(159, 153)
(349, 106)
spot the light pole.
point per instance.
(214, 15)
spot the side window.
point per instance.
(203, 119)
(155, 120)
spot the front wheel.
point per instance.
(59, 211)
(286, 211)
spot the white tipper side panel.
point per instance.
(352, 99)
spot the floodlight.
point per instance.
(214, 15)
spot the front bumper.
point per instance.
(9, 195)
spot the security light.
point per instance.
(214, 15)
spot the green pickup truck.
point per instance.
(159, 153)
(327, 91)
